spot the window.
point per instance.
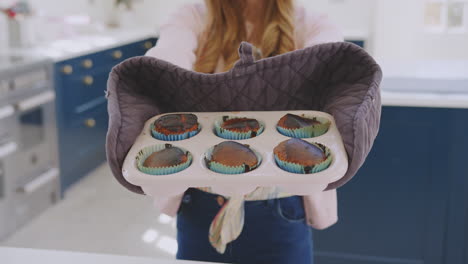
(456, 15)
(446, 15)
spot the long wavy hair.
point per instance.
(225, 30)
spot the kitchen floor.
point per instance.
(98, 215)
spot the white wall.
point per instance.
(400, 35)
(354, 17)
(97, 9)
(3, 35)
(395, 27)
(155, 12)
(351, 15)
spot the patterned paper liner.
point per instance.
(228, 134)
(309, 131)
(147, 151)
(300, 169)
(224, 169)
(174, 137)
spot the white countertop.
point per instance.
(37, 256)
(63, 49)
(425, 99)
(417, 84)
(429, 83)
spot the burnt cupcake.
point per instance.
(230, 157)
(299, 156)
(238, 128)
(175, 127)
(163, 159)
(296, 126)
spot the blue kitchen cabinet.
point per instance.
(82, 117)
(408, 203)
(359, 42)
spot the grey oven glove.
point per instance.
(338, 78)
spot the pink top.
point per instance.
(178, 39)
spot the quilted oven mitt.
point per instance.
(338, 78)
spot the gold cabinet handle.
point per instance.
(117, 54)
(88, 80)
(90, 122)
(87, 63)
(147, 45)
(67, 69)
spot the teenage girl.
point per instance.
(265, 226)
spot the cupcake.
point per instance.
(230, 157)
(299, 156)
(174, 127)
(237, 128)
(302, 127)
(163, 159)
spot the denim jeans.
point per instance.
(275, 231)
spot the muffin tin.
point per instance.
(268, 174)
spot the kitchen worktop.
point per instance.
(441, 84)
(21, 255)
(67, 48)
(431, 83)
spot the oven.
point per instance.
(29, 172)
(34, 123)
(35, 160)
(8, 147)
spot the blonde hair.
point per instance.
(225, 30)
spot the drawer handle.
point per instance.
(6, 111)
(67, 69)
(36, 101)
(87, 64)
(90, 122)
(117, 54)
(40, 181)
(147, 45)
(88, 80)
(7, 149)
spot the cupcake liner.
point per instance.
(307, 132)
(224, 169)
(147, 151)
(227, 134)
(300, 169)
(175, 137)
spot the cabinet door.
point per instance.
(84, 145)
(457, 234)
(394, 210)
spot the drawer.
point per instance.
(84, 92)
(91, 63)
(35, 196)
(116, 55)
(78, 66)
(28, 162)
(139, 48)
(107, 57)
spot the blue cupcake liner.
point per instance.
(227, 134)
(175, 137)
(300, 169)
(147, 151)
(220, 168)
(307, 132)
